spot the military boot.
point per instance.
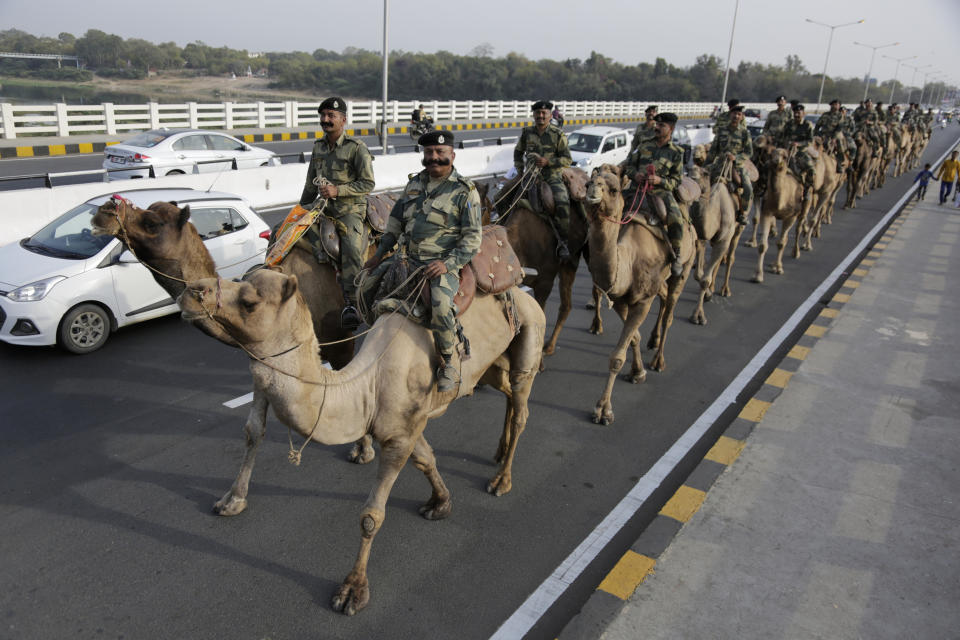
(563, 251)
(676, 267)
(446, 375)
(350, 317)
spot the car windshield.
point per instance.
(148, 139)
(584, 142)
(69, 236)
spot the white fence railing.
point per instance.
(113, 119)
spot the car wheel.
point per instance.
(84, 328)
(175, 172)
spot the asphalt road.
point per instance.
(113, 460)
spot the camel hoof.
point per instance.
(596, 329)
(500, 485)
(601, 416)
(699, 318)
(636, 378)
(229, 505)
(757, 278)
(726, 292)
(436, 509)
(352, 596)
(548, 350)
(750, 243)
(658, 364)
(361, 453)
(707, 295)
(777, 269)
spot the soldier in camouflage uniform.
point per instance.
(646, 130)
(846, 126)
(436, 222)
(547, 145)
(667, 160)
(868, 124)
(733, 144)
(893, 123)
(797, 135)
(724, 117)
(830, 125)
(777, 120)
(927, 119)
(347, 167)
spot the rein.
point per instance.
(526, 179)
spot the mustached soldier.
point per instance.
(777, 119)
(548, 146)
(436, 222)
(733, 144)
(347, 169)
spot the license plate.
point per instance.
(118, 159)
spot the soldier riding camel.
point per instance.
(340, 170)
(546, 146)
(733, 146)
(795, 137)
(658, 163)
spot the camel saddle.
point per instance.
(687, 191)
(379, 207)
(539, 196)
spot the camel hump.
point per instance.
(576, 180)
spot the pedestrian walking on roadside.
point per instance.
(947, 174)
(924, 178)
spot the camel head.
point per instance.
(777, 159)
(605, 192)
(700, 155)
(265, 312)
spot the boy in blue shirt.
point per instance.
(924, 177)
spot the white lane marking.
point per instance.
(248, 397)
(533, 608)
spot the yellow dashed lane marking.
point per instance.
(725, 451)
(684, 503)
(799, 353)
(630, 571)
(87, 147)
(841, 297)
(815, 330)
(755, 410)
(58, 149)
(24, 152)
(867, 262)
(851, 284)
(830, 313)
(779, 378)
(860, 272)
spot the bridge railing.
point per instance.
(116, 119)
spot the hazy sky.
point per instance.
(629, 31)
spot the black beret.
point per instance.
(736, 107)
(794, 102)
(779, 98)
(835, 101)
(434, 138)
(669, 118)
(541, 104)
(652, 107)
(334, 104)
(732, 103)
(799, 107)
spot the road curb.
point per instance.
(616, 588)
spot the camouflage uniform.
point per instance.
(723, 122)
(776, 121)
(552, 145)
(927, 120)
(868, 124)
(846, 126)
(438, 224)
(347, 165)
(739, 143)
(642, 134)
(802, 134)
(829, 126)
(668, 161)
(893, 124)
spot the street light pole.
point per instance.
(726, 75)
(866, 89)
(823, 76)
(893, 85)
(914, 78)
(386, 68)
(923, 89)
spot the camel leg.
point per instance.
(354, 593)
(637, 373)
(782, 243)
(632, 319)
(439, 504)
(596, 327)
(567, 276)
(521, 382)
(659, 362)
(765, 222)
(708, 278)
(362, 451)
(731, 258)
(234, 501)
(655, 337)
(757, 217)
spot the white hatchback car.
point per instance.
(63, 285)
(165, 152)
(593, 146)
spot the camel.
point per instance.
(886, 157)
(782, 201)
(862, 167)
(824, 185)
(631, 264)
(835, 174)
(903, 152)
(387, 391)
(718, 226)
(760, 146)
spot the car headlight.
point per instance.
(35, 290)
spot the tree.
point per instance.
(482, 50)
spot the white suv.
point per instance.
(63, 285)
(593, 146)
